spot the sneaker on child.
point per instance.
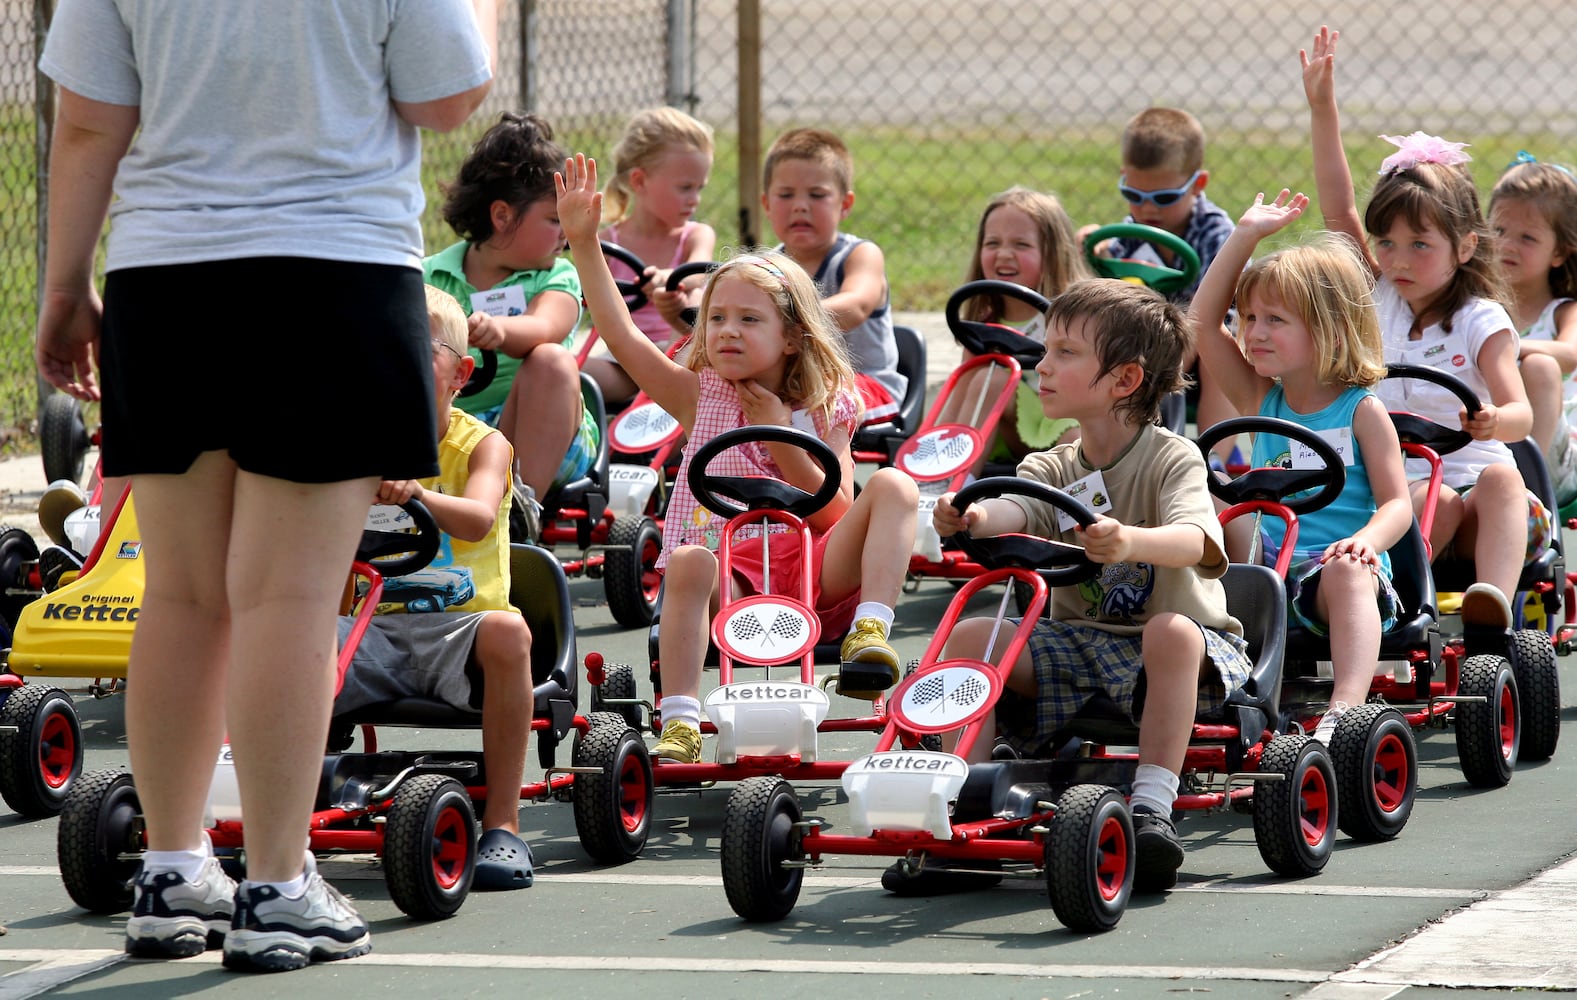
(869, 662)
(1326, 728)
(1158, 851)
(272, 932)
(680, 742)
(1484, 606)
(174, 918)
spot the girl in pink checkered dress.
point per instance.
(766, 353)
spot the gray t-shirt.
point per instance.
(267, 127)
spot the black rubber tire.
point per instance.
(102, 821)
(613, 809)
(1538, 693)
(430, 846)
(1376, 761)
(62, 437)
(1295, 819)
(43, 758)
(1489, 734)
(1090, 858)
(618, 681)
(759, 834)
(629, 570)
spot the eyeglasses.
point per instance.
(1161, 198)
(438, 344)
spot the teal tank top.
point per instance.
(1351, 510)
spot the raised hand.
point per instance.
(1261, 220)
(1319, 68)
(579, 201)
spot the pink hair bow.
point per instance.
(1421, 147)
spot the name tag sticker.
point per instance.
(1339, 438)
(509, 301)
(1092, 492)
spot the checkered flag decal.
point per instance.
(927, 691)
(745, 628)
(969, 692)
(787, 626)
(637, 422)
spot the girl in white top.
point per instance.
(1533, 210)
(1439, 298)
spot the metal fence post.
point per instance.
(749, 14)
(681, 56)
(528, 55)
(44, 123)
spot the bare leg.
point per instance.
(874, 562)
(617, 387)
(1448, 515)
(180, 651)
(1173, 651)
(1345, 600)
(503, 651)
(1495, 527)
(542, 414)
(689, 600)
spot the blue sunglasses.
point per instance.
(1162, 198)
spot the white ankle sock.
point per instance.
(294, 888)
(876, 610)
(187, 864)
(681, 708)
(1154, 788)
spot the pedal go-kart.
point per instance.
(1373, 749)
(413, 809)
(762, 726)
(925, 806)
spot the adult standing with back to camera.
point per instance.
(263, 299)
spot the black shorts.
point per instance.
(312, 371)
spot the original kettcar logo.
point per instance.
(94, 608)
(909, 762)
(765, 691)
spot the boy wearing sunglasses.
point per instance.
(1163, 183)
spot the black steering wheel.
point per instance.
(1413, 429)
(1163, 279)
(978, 337)
(757, 492)
(1272, 484)
(406, 549)
(689, 269)
(1058, 563)
(482, 375)
(634, 298)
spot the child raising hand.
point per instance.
(766, 353)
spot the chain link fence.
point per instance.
(945, 103)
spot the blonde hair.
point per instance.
(813, 376)
(1553, 191)
(817, 145)
(447, 320)
(1164, 138)
(646, 137)
(1328, 286)
(1061, 258)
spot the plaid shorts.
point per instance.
(1303, 584)
(582, 449)
(1073, 663)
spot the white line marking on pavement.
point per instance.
(51, 969)
(353, 871)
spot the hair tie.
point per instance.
(764, 264)
(1421, 147)
(1523, 156)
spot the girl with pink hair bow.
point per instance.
(1441, 300)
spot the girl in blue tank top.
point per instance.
(1307, 350)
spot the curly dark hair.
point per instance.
(513, 162)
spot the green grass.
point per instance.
(918, 195)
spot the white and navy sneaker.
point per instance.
(273, 932)
(174, 918)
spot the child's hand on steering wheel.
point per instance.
(398, 491)
(1484, 423)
